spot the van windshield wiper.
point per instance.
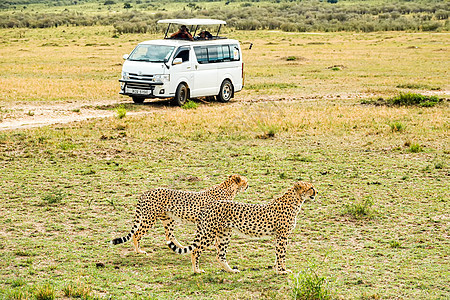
(146, 60)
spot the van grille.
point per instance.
(135, 84)
(134, 76)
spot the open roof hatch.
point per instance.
(192, 23)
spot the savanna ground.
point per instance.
(379, 229)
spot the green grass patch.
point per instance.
(190, 105)
(309, 285)
(406, 99)
(397, 126)
(121, 112)
(362, 209)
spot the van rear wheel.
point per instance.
(181, 95)
(226, 91)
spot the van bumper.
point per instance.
(141, 88)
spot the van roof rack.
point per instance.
(192, 23)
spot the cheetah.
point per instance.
(276, 218)
(165, 204)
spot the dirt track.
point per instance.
(28, 115)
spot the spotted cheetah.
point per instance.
(277, 218)
(164, 204)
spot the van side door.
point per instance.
(181, 68)
(205, 72)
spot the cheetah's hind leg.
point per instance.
(145, 226)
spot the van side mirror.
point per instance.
(125, 56)
(177, 61)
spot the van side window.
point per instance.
(183, 53)
(201, 54)
(217, 53)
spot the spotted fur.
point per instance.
(276, 218)
(164, 204)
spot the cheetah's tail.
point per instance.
(184, 250)
(136, 225)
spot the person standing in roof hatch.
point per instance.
(183, 33)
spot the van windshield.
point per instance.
(151, 53)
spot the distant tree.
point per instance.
(127, 5)
(332, 1)
(109, 2)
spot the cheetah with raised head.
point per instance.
(276, 218)
(164, 204)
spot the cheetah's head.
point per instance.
(240, 180)
(305, 190)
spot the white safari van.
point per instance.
(201, 66)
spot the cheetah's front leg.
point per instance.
(280, 247)
(222, 243)
(168, 224)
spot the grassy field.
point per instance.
(379, 229)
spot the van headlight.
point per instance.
(125, 75)
(163, 78)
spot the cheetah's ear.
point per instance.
(236, 178)
(300, 186)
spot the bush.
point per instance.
(409, 99)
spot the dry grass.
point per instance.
(69, 189)
(84, 63)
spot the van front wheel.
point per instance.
(138, 100)
(226, 91)
(181, 95)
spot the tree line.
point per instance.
(286, 16)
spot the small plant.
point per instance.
(291, 58)
(18, 282)
(45, 292)
(394, 244)
(190, 105)
(396, 126)
(53, 197)
(17, 295)
(308, 285)
(78, 290)
(30, 113)
(121, 112)
(360, 209)
(415, 148)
